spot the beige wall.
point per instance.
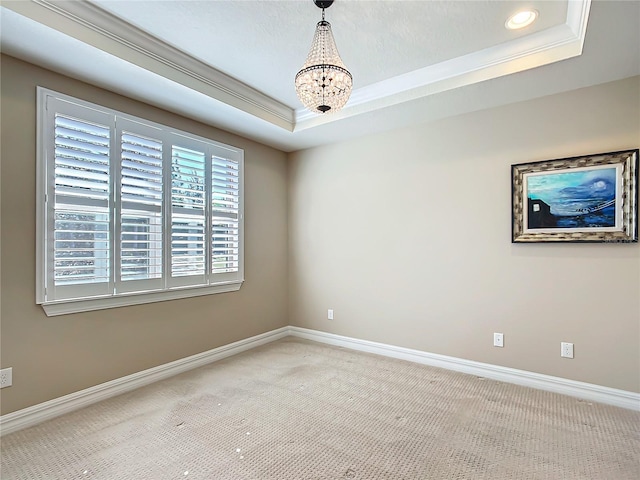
(55, 356)
(407, 236)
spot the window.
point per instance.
(130, 211)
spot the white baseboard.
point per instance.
(586, 391)
(30, 416)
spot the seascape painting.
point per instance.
(582, 198)
(592, 198)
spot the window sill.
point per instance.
(64, 307)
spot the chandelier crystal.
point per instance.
(324, 84)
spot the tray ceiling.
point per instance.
(232, 63)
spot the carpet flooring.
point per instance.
(295, 409)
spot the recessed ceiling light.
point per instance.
(521, 19)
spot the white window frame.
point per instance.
(149, 291)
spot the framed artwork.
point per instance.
(593, 198)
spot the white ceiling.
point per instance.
(231, 63)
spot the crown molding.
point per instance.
(92, 25)
(531, 51)
(578, 17)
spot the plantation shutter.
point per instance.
(188, 210)
(80, 256)
(225, 215)
(141, 192)
(131, 210)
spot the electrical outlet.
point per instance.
(566, 350)
(498, 340)
(330, 314)
(6, 377)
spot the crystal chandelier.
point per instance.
(324, 84)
